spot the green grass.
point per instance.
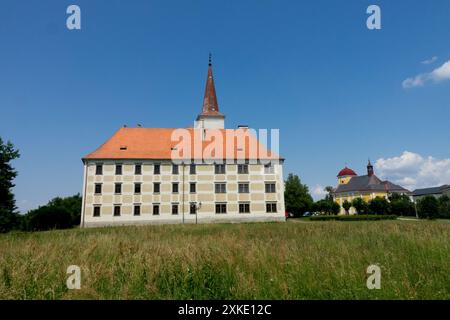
(309, 260)
(353, 217)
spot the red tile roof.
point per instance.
(157, 143)
(346, 172)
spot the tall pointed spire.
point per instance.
(210, 105)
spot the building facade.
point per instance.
(351, 186)
(149, 175)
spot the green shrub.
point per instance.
(401, 205)
(369, 217)
(360, 206)
(379, 205)
(444, 207)
(428, 207)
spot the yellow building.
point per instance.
(367, 187)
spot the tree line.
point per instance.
(299, 201)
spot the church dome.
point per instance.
(346, 172)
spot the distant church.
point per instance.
(133, 179)
(367, 187)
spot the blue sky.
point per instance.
(310, 68)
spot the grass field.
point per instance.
(294, 260)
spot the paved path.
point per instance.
(408, 219)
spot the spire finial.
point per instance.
(210, 59)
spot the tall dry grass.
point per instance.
(320, 260)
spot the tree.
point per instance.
(379, 206)
(444, 206)
(47, 218)
(360, 205)
(72, 204)
(335, 208)
(401, 205)
(8, 211)
(329, 190)
(58, 213)
(296, 196)
(326, 206)
(322, 206)
(346, 205)
(428, 207)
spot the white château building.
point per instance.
(166, 175)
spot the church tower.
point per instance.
(369, 169)
(345, 175)
(210, 116)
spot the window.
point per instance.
(175, 169)
(221, 208)
(96, 211)
(243, 188)
(117, 188)
(221, 187)
(156, 169)
(138, 169)
(174, 208)
(156, 209)
(156, 187)
(175, 187)
(243, 168)
(116, 211)
(137, 188)
(118, 169)
(193, 208)
(98, 169)
(192, 187)
(244, 207)
(270, 187)
(98, 188)
(192, 169)
(271, 207)
(137, 210)
(269, 168)
(219, 169)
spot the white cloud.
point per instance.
(441, 73)
(318, 192)
(412, 171)
(430, 61)
(437, 75)
(417, 81)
